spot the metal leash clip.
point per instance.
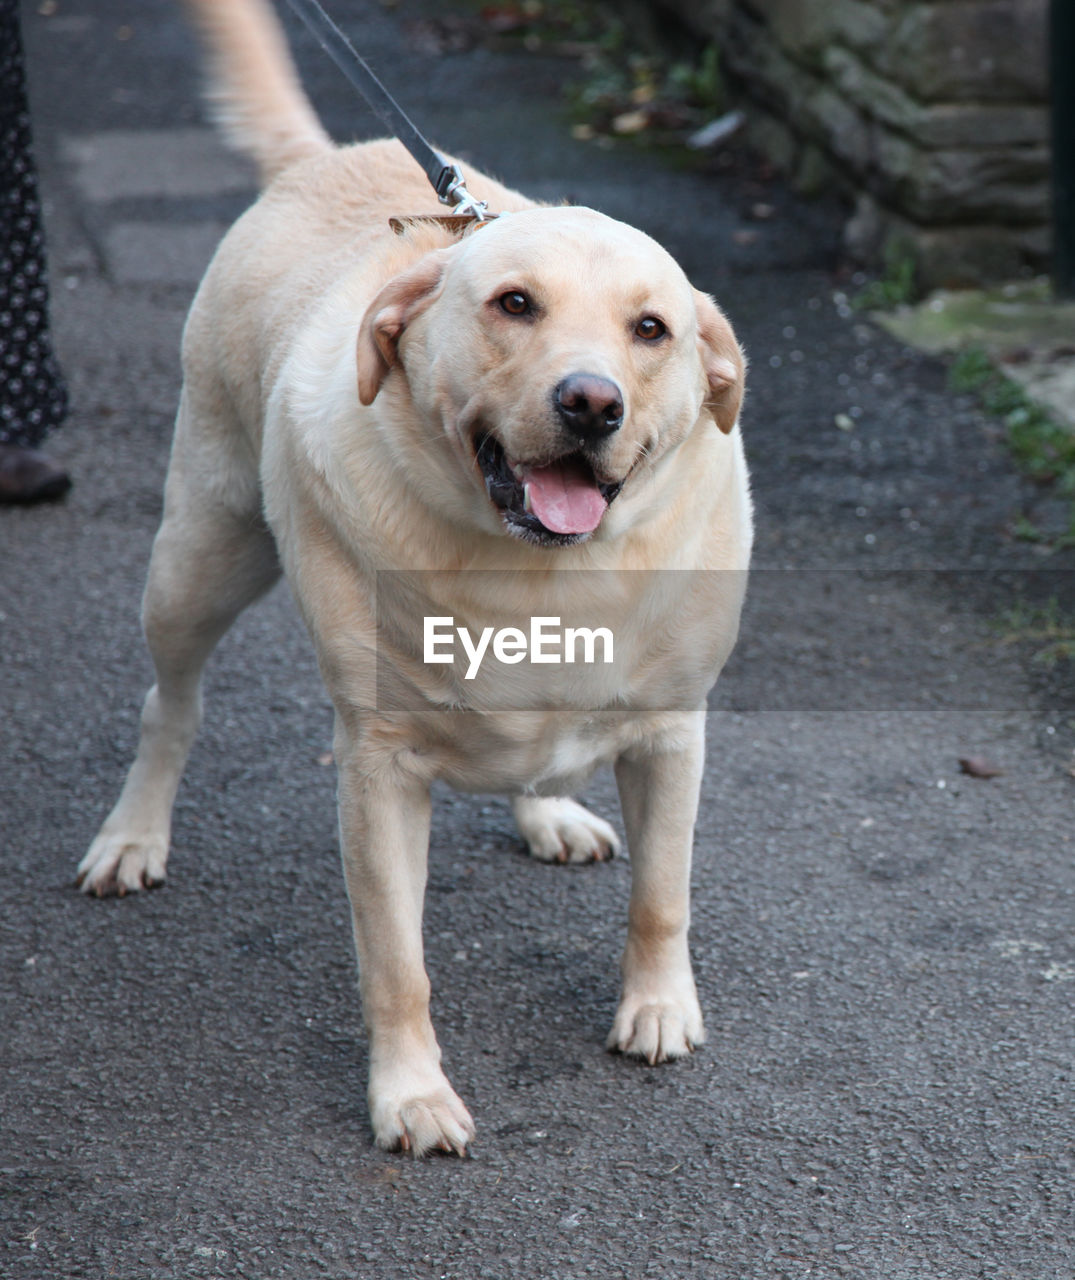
(468, 213)
(446, 177)
(451, 189)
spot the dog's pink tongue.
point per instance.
(565, 498)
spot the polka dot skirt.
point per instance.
(33, 397)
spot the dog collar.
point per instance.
(460, 222)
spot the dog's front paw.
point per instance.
(657, 1028)
(425, 1120)
(557, 829)
(119, 863)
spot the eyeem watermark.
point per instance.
(546, 642)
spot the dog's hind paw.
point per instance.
(557, 829)
(118, 864)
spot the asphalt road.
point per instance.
(883, 945)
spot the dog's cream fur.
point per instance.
(334, 374)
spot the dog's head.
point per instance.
(562, 353)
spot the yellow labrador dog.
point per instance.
(436, 435)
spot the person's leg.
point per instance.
(33, 397)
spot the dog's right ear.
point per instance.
(401, 300)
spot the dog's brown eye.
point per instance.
(515, 303)
(650, 328)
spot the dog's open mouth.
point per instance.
(555, 504)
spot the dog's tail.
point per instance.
(254, 89)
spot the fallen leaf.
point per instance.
(505, 18)
(384, 1176)
(630, 122)
(978, 767)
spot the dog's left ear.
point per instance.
(722, 360)
(398, 304)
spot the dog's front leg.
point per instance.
(659, 1016)
(384, 831)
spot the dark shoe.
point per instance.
(27, 475)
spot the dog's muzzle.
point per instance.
(557, 503)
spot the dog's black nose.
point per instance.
(589, 406)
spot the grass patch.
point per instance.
(641, 80)
(1043, 449)
(1048, 627)
(897, 284)
(646, 95)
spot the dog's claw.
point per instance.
(119, 863)
(657, 1030)
(435, 1121)
(558, 829)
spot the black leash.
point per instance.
(446, 177)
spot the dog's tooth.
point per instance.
(527, 505)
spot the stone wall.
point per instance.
(932, 113)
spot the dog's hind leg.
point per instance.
(212, 556)
(557, 829)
